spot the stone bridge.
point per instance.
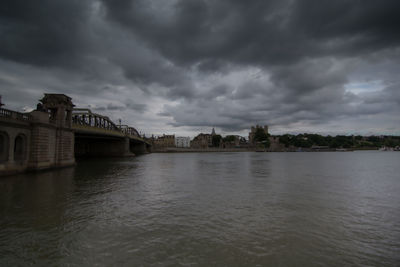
(55, 133)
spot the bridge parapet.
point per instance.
(6, 113)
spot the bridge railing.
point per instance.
(129, 130)
(86, 117)
(6, 113)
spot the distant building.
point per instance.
(164, 141)
(234, 141)
(203, 140)
(253, 132)
(275, 145)
(213, 132)
(182, 141)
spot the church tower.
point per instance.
(213, 131)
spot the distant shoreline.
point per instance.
(196, 150)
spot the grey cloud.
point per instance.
(250, 89)
(164, 114)
(216, 91)
(137, 107)
(212, 65)
(140, 108)
(227, 63)
(310, 75)
(115, 107)
(49, 33)
(261, 32)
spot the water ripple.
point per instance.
(207, 209)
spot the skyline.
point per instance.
(183, 67)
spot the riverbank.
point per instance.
(197, 150)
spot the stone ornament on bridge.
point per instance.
(60, 107)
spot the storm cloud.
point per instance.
(182, 66)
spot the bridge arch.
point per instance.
(129, 130)
(20, 148)
(4, 146)
(85, 117)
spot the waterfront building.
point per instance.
(275, 145)
(234, 141)
(164, 141)
(203, 140)
(182, 141)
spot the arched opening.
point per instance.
(4, 146)
(19, 148)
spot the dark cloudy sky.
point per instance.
(183, 66)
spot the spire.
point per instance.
(213, 131)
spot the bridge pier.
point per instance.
(52, 142)
(138, 148)
(51, 145)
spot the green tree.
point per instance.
(285, 139)
(302, 140)
(216, 140)
(262, 137)
(317, 140)
(229, 138)
(390, 143)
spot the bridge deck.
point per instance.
(91, 130)
(86, 122)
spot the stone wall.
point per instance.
(15, 146)
(38, 140)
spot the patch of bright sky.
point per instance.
(364, 87)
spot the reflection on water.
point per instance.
(290, 209)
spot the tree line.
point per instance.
(338, 141)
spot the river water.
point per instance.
(207, 209)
